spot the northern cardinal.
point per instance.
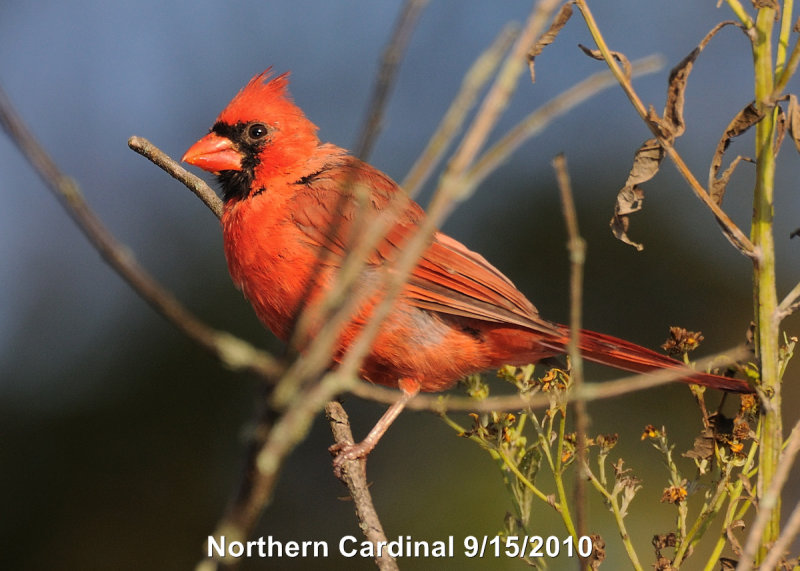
(290, 211)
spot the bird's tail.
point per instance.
(621, 354)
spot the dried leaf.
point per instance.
(646, 163)
(679, 76)
(598, 551)
(794, 120)
(596, 54)
(758, 4)
(703, 448)
(736, 546)
(743, 120)
(549, 36)
(720, 185)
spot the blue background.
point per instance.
(121, 441)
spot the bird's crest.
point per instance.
(264, 98)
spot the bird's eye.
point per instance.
(257, 131)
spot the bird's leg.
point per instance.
(344, 452)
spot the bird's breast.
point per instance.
(270, 262)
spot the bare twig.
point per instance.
(789, 304)
(161, 159)
(230, 350)
(353, 475)
(577, 254)
(392, 56)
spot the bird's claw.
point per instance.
(347, 451)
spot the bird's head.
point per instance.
(258, 139)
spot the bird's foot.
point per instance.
(343, 452)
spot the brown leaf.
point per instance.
(757, 4)
(743, 120)
(549, 36)
(620, 222)
(679, 76)
(646, 163)
(720, 185)
(794, 120)
(703, 448)
(736, 546)
(596, 54)
(598, 551)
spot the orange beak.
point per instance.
(214, 154)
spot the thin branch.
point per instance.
(390, 62)
(194, 183)
(354, 476)
(230, 350)
(789, 304)
(577, 254)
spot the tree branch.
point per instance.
(353, 475)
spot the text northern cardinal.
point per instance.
(290, 211)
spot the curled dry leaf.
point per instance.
(794, 121)
(549, 36)
(736, 546)
(720, 185)
(629, 200)
(596, 54)
(743, 120)
(703, 448)
(598, 551)
(673, 122)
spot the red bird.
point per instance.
(290, 211)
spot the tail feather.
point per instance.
(621, 354)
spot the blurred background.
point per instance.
(120, 441)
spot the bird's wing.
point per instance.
(449, 277)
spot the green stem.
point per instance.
(558, 475)
(611, 501)
(765, 295)
(707, 515)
